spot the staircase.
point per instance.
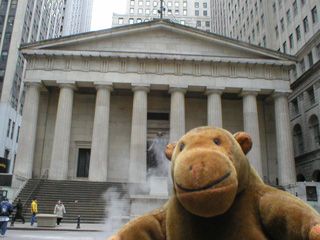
(83, 198)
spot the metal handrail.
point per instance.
(35, 187)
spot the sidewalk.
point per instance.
(87, 227)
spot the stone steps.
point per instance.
(91, 203)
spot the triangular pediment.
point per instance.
(158, 37)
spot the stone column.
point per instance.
(251, 126)
(61, 141)
(177, 114)
(27, 139)
(99, 149)
(138, 144)
(287, 171)
(214, 107)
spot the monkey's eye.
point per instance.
(181, 146)
(216, 141)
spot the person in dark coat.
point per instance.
(18, 214)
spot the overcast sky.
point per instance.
(102, 12)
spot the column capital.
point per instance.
(280, 94)
(178, 89)
(210, 91)
(104, 86)
(71, 86)
(34, 85)
(144, 88)
(253, 92)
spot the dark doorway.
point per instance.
(83, 162)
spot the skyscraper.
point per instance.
(291, 27)
(77, 16)
(195, 13)
(20, 22)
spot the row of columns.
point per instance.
(137, 164)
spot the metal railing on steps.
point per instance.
(35, 187)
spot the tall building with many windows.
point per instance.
(292, 27)
(194, 13)
(77, 16)
(20, 22)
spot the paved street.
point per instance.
(54, 235)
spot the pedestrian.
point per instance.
(34, 210)
(18, 214)
(59, 210)
(6, 210)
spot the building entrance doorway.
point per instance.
(83, 162)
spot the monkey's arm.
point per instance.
(286, 217)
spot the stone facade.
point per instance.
(153, 67)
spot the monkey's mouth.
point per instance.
(205, 187)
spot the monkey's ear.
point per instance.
(244, 140)
(169, 150)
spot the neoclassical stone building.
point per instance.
(93, 100)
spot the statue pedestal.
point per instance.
(158, 186)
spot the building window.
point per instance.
(120, 20)
(176, 12)
(147, 11)
(298, 140)
(274, 8)
(284, 47)
(302, 66)
(196, 4)
(258, 27)
(277, 31)
(184, 12)
(196, 12)
(169, 4)
(7, 38)
(8, 129)
(4, 55)
(298, 33)
(253, 35)
(252, 16)
(12, 130)
(176, 4)
(314, 15)
(147, 3)
(132, 3)
(295, 107)
(306, 24)
(310, 57)
(140, 3)
(205, 13)
(314, 130)
(18, 132)
(288, 16)
(131, 21)
(282, 24)
(182, 22)
(295, 7)
(291, 41)
(207, 23)
(14, 3)
(140, 11)
(262, 19)
(318, 51)
(264, 41)
(205, 5)
(199, 23)
(311, 96)
(169, 11)
(185, 4)
(131, 10)
(295, 73)
(139, 20)
(155, 3)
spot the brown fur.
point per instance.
(236, 203)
